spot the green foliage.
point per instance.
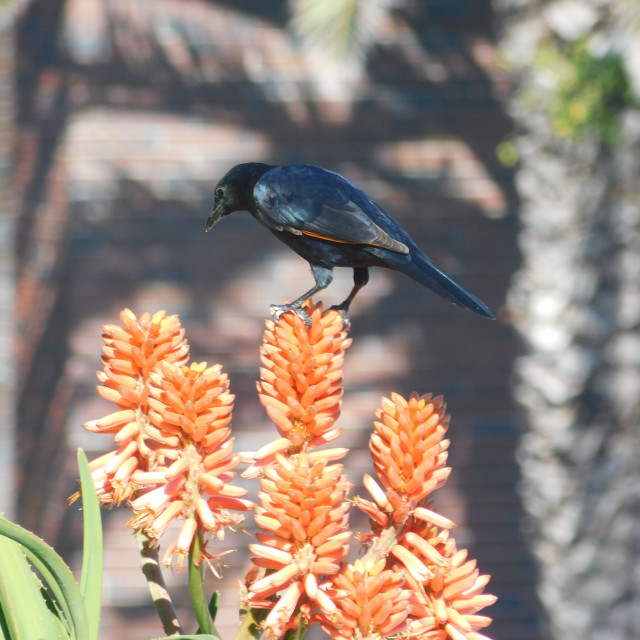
(92, 556)
(507, 153)
(589, 91)
(39, 597)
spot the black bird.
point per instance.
(330, 222)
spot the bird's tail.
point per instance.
(422, 270)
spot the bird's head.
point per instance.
(234, 191)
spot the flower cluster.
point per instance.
(413, 581)
(409, 453)
(129, 355)
(446, 604)
(174, 459)
(306, 535)
(371, 602)
(301, 379)
(175, 454)
(303, 510)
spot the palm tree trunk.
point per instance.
(576, 303)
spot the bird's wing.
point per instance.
(322, 204)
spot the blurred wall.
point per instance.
(126, 113)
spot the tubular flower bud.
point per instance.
(301, 378)
(131, 353)
(175, 455)
(371, 603)
(304, 518)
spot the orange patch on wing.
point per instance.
(317, 235)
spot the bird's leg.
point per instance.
(323, 278)
(360, 278)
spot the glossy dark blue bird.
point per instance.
(330, 222)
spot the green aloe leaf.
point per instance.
(92, 552)
(57, 572)
(23, 606)
(52, 594)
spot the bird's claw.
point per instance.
(279, 309)
(344, 314)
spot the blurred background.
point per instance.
(505, 136)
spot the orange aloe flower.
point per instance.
(371, 602)
(175, 461)
(175, 454)
(305, 538)
(190, 414)
(301, 379)
(409, 452)
(407, 446)
(129, 355)
(446, 603)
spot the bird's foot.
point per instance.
(279, 309)
(344, 314)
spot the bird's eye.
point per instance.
(220, 194)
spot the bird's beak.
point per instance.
(216, 213)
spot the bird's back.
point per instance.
(302, 192)
(330, 222)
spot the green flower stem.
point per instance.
(196, 587)
(298, 632)
(159, 594)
